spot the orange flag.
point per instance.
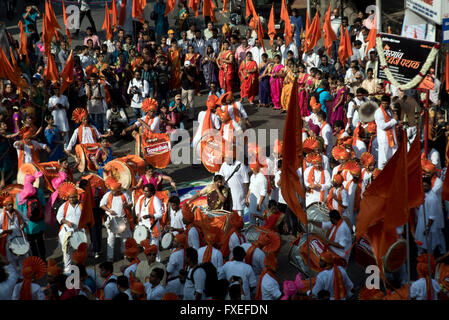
(225, 6)
(51, 71)
(372, 37)
(446, 72)
(67, 74)
(260, 33)
(385, 204)
(313, 34)
(8, 72)
(13, 59)
(250, 10)
(345, 48)
(307, 22)
(23, 42)
(193, 4)
(107, 22)
(271, 26)
(287, 25)
(329, 34)
(64, 16)
(415, 188)
(138, 6)
(114, 12)
(292, 153)
(170, 5)
(51, 14)
(209, 9)
(121, 20)
(87, 216)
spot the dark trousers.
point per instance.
(91, 20)
(37, 244)
(95, 230)
(163, 93)
(292, 222)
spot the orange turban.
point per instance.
(131, 248)
(236, 220)
(34, 267)
(170, 296)
(53, 269)
(255, 166)
(263, 240)
(181, 239)
(271, 262)
(428, 166)
(187, 213)
(423, 265)
(366, 159)
(113, 184)
(223, 97)
(8, 200)
(314, 158)
(80, 255)
(137, 288)
(149, 104)
(352, 167)
(371, 128)
(315, 105)
(148, 248)
(79, 114)
(277, 148)
(338, 179)
(340, 153)
(212, 102)
(310, 144)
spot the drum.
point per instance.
(77, 238)
(27, 168)
(319, 212)
(135, 163)
(85, 153)
(50, 171)
(120, 171)
(116, 224)
(211, 153)
(12, 190)
(167, 241)
(298, 257)
(364, 254)
(253, 233)
(156, 149)
(141, 233)
(19, 246)
(395, 256)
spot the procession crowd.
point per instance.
(141, 82)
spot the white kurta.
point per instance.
(175, 263)
(216, 258)
(176, 220)
(201, 116)
(353, 112)
(195, 286)
(176, 287)
(73, 216)
(143, 89)
(326, 134)
(325, 281)
(142, 208)
(234, 241)
(242, 112)
(7, 286)
(258, 187)
(14, 226)
(418, 289)
(60, 115)
(258, 259)
(313, 195)
(27, 150)
(242, 270)
(155, 293)
(359, 148)
(86, 137)
(342, 237)
(117, 206)
(385, 151)
(351, 188)
(344, 199)
(36, 292)
(277, 182)
(344, 173)
(193, 238)
(270, 288)
(236, 183)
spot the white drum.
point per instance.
(167, 241)
(141, 233)
(117, 224)
(19, 246)
(77, 238)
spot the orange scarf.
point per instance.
(25, 290)
(126, 210)
(4, 236)
(259, 284)
(356, 134)
(339, 287)
(333, 231)
(34, 155)
(358, 194)
(100, 291)
(66, 207)
(322, 127)
(155, 231)
(225, 249)
(148, 121)
(80, 133)
(371, 143)
(207, 257)
(330, 201)
(311, 180)
(389, 132)
(250, 254)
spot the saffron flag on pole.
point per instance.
(23, 50)
(51, 71)
(372, 37)
(250, 10)
(345, 48)
(170, 5)
(287, 24)
(209, 10)
(271, 26)
(329, 34)
(67, 74)
(114, 12)
(122, 18)
(107, 22)
(64, 16)
(291, 187)
(193, 4)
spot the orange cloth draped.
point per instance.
(389, 132)
(311, 180)
(23, 42)
(226, 73)
(209, 10)
(339, 288)
(207, 257)
(137, 12)
(313, 34)
(345, 48)
(250, 254)
(371, 37)
(271, 26)
(250, 81)
(259, 284)
(175, 60)
(330, 199)
(87, 216)
(114, 12)
(250, 10)
(329, 34)
(287, 25)
(107, 22)
(414, 170)
(51, 71)
(193, 4)
(67, 74)
(155, 230)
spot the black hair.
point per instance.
(238, 253)
(235, 292)
(264, 55)
(159, 273)
(107, 265)
(218, 177)
(369, 69)
(150, 186)
(3, 274)
(386, 98)
(339, 123)
(175, 200)
(272, 204)
(123, 282)
(121, 297)
(334, 214)
(321, 114)
(192, 254)
(279, 163)
(359, 91)
(323, 294)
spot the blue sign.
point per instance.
(445, 27)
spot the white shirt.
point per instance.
(258, 188)
(195, 286)
(236, 183)
(418, 289)
(314, 119)
(284, 50)
(257, 262)
(353, 113)
(142, 209)
(153, 123)
(111, 290)
(359, 148)
(175, 263)
(73, 216)
(342, 237)
(242, 270)
(36, 292)
(257, 54)
(234, 241)
(155, 293)
(240, 109)
(193, 238)
(176, 220)
(117, 203)
(28, 158)
(7, 286)
(382, 126)
(315, 196)
(86, 137)
(326, 134)
(344, 173)
(270, 288)
(143, 89)
(60, 114)
(201, 116)
(277, 182)
(325, 281)
(351, 188)
(311, 60)
(86, 60)
(216, 258)
(132, 268)
(176, 287)
(13, 223)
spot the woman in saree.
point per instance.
(304, 83)
(264, 82)
(249, 76)
(183, 14)
(209, 66)
(338, 112)
(289, 80)
(194, 59)
(6, 166)
(174, 56)
(225, 63)
(276, 81)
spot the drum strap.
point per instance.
(330, 200)
(334, 230)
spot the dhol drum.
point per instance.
(19, 246)
(156, 149)
(85, 153)
(136, 165)
(50, 171)
(141, 233)
(116, 225)
(395, 256)
(120, 171)
(253, 233)
(298, 257)
(211, 153)
(77, 238)
(319, 212)
(167, 241)
(27, 168)
(364, 253)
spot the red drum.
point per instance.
(212, 154)
(298, 255)
(157, 149)
(395, 256)
(50, 171)
(85, 154)
(364, 253)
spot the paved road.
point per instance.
(261, 119)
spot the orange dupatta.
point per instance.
(330, 200)
(389, 132)
(80, 133)
(311, 180)
(259, 284)
(155, 231)
(126, 210)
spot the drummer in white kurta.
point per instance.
(12, 224)
(149, 211)
(88, 134)
(316, 180)
(68, 216)
(176, 223)
(386, 132)
(176, 261)
(115, 203)
(150, 121)
(337, 198)
(341, 155)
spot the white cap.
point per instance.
(187, 63)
